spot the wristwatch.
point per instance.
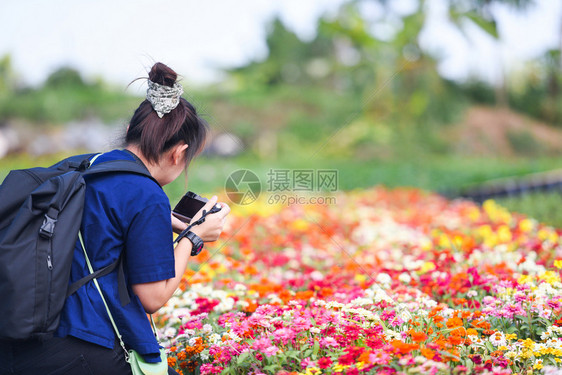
(196, 241)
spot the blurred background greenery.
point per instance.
(376, 109)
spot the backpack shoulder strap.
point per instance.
(114, 166)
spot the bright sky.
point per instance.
(120, 39)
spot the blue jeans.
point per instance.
(62, 356)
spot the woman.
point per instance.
(130, 214)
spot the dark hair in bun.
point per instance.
(154, 135)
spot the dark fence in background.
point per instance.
(550, 181)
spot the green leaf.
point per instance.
(489, 26)
(469, 365)
(242, 358)
(271, 368)
(315, 350)
(293, 354)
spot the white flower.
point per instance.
(240, 287)
(316, 275)
(498, 339)
(204, 355)
(384, 278)
(214, 338)
(405, 278)
(207, 328)
(170, 332)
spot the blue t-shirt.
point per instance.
(122, 212)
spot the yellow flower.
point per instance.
(339, 368)
(511, 336)
(528, 343)
(525, 279)
(313, 371)
(426, 267)
(547, 234)
(360, 278)
(550, 277)
(558, 263)
(495, 212)
(474, 214)
(504, 233)
(361, 365)
(299, 225)
(526, 225)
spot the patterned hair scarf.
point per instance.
(163, 98)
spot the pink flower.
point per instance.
(261, 344)
(328, 342)
(208, 368)
(307, 362)
(272, 350)
(284, 335)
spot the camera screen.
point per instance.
(188, 206)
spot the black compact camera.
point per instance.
(189, 205)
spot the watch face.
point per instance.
(197, 243)
(196, 251)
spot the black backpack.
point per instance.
(40, 216)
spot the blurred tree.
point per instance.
(482, 14)
(64, 77)
(7, 76)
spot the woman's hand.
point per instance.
(177, 225)
(211, 228)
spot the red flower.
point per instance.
(324, 362)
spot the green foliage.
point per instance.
(65, 96)
(524, 143)
(543, 206)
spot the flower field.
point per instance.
(383, 282)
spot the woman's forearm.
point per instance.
(154, 295)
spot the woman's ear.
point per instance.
(178, 153)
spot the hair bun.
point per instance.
(162, 74)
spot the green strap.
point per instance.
(90, 268)
(102, 297)
(92, 160)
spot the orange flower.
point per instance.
(456, 340)
(418, 336)
(404, 348)
(304, 295)
(364, 357)
(454, 322)
(427, 353)
(438, 318)
(459, 332)
(171, 361)
(471, 332)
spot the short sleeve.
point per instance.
(149, 249)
